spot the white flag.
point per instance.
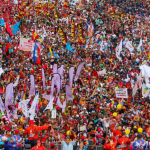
(129, 46)
(134, 90)
(118, 50)
(16, 82)
(140, 44)
(1, 71)
(23, 106)
(145, 90)
(2, 107)
(33, 105)
(50, 104)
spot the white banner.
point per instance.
(121, 93)
(28, 45)
(129, 46)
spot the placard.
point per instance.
(121, 93)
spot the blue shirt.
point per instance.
(140, 145)
(66, 146)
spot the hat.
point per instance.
(136, 118)
(16, 131)
(31, 122)
(38, 141)
(52, 145)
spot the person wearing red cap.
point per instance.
(52, 147)
(38, 146)
(32, 132)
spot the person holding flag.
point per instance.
(32, 132)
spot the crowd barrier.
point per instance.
(59, 146)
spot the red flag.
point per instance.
(8, 29)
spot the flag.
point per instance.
(55, 54)
(1, 71)
(80, 31)
(2, 107)
(33, 105)
(44, 33)
(63, 106)
(9, 95)
(140, 44)
(139, 80)
(69, 47)
(50, 104)
(9, 30)
(16, 27)
(86, 71)
(69, 95)
(73, 28)
(35, 35)
(52, 86)
(129, 46)
(134, 90)
(50, 51)
(2, 22)
(118, 50)
(57, 82)
(43, 76)
(60, 71)
(78, 71)
(94, 91)
(54, 68)
(47, 97)
(36, 54)
(66, 4)
(71, 70)
(63, 37)
(145, 90)
(17, 81)
(52, 6)
(32, 87)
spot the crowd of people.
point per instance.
(95, 47)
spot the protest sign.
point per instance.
(121, 93)
(28, 45)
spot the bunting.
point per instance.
(73, 28)
(63, 37)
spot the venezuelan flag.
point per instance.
(86, 71)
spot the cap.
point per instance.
(16, 131)
(52, 144)
(38, 141)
